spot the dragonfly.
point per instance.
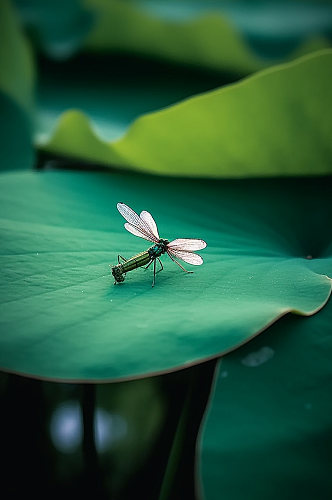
(144, 226)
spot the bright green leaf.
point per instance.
(273, 123)
(113, 92)
(61, 315)
(208, 41)
(240, 37)
(224, 36)
(269, 423)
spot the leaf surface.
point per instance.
(61, 315)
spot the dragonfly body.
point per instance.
(144, 226)
(139, 260)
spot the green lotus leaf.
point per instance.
(224, 36)
(16, 63)
(132, 28)
(113, 93)
(269, 418)
(61, 315)
(239, 37)
(273, 123)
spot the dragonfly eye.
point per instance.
(163, 241)
(163, 244)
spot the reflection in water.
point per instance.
(109, 428)
(66, 428)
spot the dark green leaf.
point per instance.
(15, 136)
(270, 417)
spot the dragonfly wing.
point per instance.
(133, 230)
(190, 257)
(135, 221)
(188, 244)
(147, 218)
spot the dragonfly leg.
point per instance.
(120, 257)
(176, 262)
(154, 272)
(161, 265)
(149, 264)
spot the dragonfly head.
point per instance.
(163, 244)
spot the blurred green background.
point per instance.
(215, 116)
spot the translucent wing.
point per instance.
(190, 257)
(188, 244)
(137, 232)
(149, 220)
(136, 223)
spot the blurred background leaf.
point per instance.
(113, 90)
(17, 76)
(273, 123)
(112, 93)
(269, 419)
(142, 28)
(234, 36)
(62, 315)
(16, 93)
